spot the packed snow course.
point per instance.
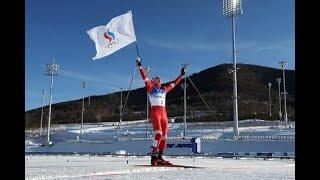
(76, 167)
(101, 153)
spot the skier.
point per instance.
(157, 98)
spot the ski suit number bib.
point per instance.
(157, 97)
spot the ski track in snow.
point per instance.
(107, 167)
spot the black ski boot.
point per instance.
(154, 160)
(161, 160)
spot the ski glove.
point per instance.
(138, 61)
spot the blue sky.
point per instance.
(169, 33)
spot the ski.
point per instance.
(173, 165)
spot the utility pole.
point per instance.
(82, 109)
(43, 94)
(280, 113)
(270, 113)
(121, 106)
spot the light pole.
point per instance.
(82, 109)
(120, 113)
(147, 126)
(231, 9)
(283, 65)
(51, 70)
(120, 106)
(280, 113)
(269, 85)
(43, 94)
(254, 109)
(185, 101)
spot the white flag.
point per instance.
(118, 33)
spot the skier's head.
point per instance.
(156, 81)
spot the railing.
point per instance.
(291, 137)
(88, 141)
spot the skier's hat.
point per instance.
(153, 80)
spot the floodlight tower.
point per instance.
(283, 65)
(120, 106)
(185, 101)
(280, 113)
(232, 9)
(269, 85)
(51, 70)
(147, 69)
(43, 94)
(84, 84)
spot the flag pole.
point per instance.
(137, 49)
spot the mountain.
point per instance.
(215, 86)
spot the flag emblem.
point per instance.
(110, 37)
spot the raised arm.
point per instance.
(144, 75)
(171, 85)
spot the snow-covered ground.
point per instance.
(108, 167)
(100, 138)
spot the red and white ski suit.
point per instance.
(158, 113)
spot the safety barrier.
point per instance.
(292, 137)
